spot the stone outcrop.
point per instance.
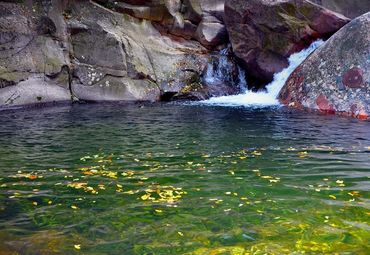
(201, 20)
(336, 77)
(264, 33)
(63, 50)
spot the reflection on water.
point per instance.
(172, 179)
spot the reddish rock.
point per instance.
(353, 78)
(336, 75)
(264, 33)
(363, 115)
(324, 105)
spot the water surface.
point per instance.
(182, 179)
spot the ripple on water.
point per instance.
(174, 179)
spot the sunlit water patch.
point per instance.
(171, 179)
(269, 97)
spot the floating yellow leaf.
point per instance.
(256, 153)
(34, 203)
(267, 177)
(354, 193)
(145, 197)
(333, 197)
(77, 246)
(158, 211)
(74, 207)
(180, 233)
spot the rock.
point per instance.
(189, 19)
(33, 90)
(350, 9)
(104, 50)
(136, 63)
(336, 77)
(33, 61)
(211, 34)
(264, 33)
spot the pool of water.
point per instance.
(182, 179)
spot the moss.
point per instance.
(196, 86)
(52, 65)
(307, 11)
(14, 76)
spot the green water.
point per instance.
(173, 179)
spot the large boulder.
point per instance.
(336, 77)
(264, 33)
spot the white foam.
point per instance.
(268, 98)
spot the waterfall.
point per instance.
(269, 97)
(222, 69)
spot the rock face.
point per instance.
(350, 9)
(63, 50)
(33, 58)
(264, 33)
(336, 77)
(201, 20)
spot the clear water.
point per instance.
(268, 97)
(175, 179)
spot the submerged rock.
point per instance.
(264, 33)
(336, 77)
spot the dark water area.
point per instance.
(182, 179)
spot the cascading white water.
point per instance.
(216, 74)
(269, 97)
(223, 70)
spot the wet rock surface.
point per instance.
(336, 77)
(264, 33)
